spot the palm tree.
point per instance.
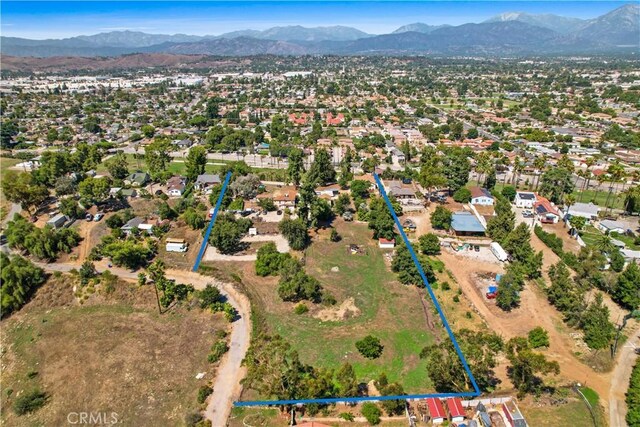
(539, 163)
(616, 173)
(569, 200)
(605, 244)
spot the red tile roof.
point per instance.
(436, 409)
(454, 405)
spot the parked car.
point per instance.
(98, 216)
(476, 248)
(527, 214)
(3, 239)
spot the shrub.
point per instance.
(463, 195)
(301, 309)
(335, 237)
(371, 412)
(429, 244)
(347, 416)
(192, 418)
(538, 337)
(370, 347)
(29, 402)
(509, 192)
(204, 392)
(217, 351)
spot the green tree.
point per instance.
(429, 244)
(371, 413)
(380, 220)
(157, 157)
(527, 366)
(20, 278)
(148, 131)
(627, 289)
(509, 192)
(556, 182)
(295, 231)
(195, 162)
(370, 347)
(346, 380)
(226, 234)
(269, 261)
(441, 218)
(321, 171)
(117, 165)
(295, 168)
(462, 195)
(598, 330)
(19, 187)
(538, 337)
(408, 273)
(194, 219)
(503, 223)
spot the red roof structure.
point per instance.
(454, 405)
(436, 409)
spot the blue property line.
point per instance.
(205, 241)
(444, 322)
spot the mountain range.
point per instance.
(511, 33)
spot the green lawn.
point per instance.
(591, 235)
(629, 241)
(616, 201)
(388, 310)
(574, 413)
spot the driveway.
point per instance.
(620, 380)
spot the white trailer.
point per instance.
(497, 250)
(176, 245)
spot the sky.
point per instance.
(56, 19)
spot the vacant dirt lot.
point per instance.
(114, 353)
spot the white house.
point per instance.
(176, 185)
(481, 196)
(525, 199)
(585, 210)
(386, 244)
(609, 226)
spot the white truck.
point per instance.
(497, 250)
(176, 245)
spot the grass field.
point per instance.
(573, 413)
(112, 354)
(380, 306)
(616, 201)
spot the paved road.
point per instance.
(226, 387)
(15, 208)
(620, 381)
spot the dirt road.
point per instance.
(226, 387)
(620, 381)
(534, 311)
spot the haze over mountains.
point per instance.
(511, 33)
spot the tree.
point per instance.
(127, 253)
(408, 273)
(346, 380)
(117, 166)
(321, 171)
(598, 330)
(393, 407)
(472, 133)
(627, 289)
(346, 175)
(195, 162)
(370, 347)
(508, 293)
(538, 337)
(65, 185)
(70, 208)
(456, 168)
(295, 285)
(148, 131)
(359, 189)
(441, 218)
(380, 219)
(295, 168)
(194, 219)
(556, 182)
(94, 189)
(342, 204)
(269, 261)
(20, 278)
(371, 412)
(157, 157)
(503, 223)
(295, 231)
(19, 187)
(509, 192)
(447, 373)
(633, 397)
(578, 222)
(463, 195)
(226, 234)
(429, 244)
(246, 186)
(527, 365)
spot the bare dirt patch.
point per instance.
(344, 311)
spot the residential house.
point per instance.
(334, 121)
(176, 185)
(206, 182)
(137, 179)
(585, 210)
(466, 224)
(404, 193)
(139, 223)
(546, 212)
(609, 226)
(525, 199)
(283, 197)
(481, 196)
(330, 191)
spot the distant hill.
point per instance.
(419, 27)
(560, 24)
(506, 34)
(620, 27)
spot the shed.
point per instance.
(436, 410)
(609, 226)
(466, 223)
(513, 414)
(386, 244)
(585, 210)
(57, 221)
(457, 413)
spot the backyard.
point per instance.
(369, 301)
